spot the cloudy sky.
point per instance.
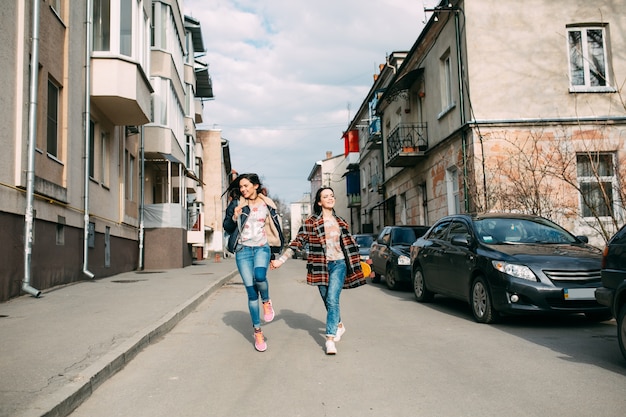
(288, 76)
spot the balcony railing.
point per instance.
(354, 200)
(406, 144)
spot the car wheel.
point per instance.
(419, 287)
(621, 330)
(480, 300)
(391, 279)
(599, 316)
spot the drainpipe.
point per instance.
(462, 105)
(32, 136)
(142, 201)
(87, 136)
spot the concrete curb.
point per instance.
(65, 400)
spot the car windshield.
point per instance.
(513, 230)
(364, 241)
(403, 236)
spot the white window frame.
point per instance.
(447, 99)
(595, 178)
(583, 56)
(453, 190)
(111, 30)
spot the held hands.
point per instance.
(275, 263)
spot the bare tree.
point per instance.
(564, 173)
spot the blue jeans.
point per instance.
(252, 263)
(330, 294)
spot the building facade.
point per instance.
(486, 113)
(72, 187)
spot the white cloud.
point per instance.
(288, 76)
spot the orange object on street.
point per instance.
(367, 270)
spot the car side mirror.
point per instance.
(460, 240)
(583, 239)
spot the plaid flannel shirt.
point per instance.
(317, 269)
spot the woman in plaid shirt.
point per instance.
(333, 260)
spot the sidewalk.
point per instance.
(57, 349)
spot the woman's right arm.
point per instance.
(298, 242)
(229, 224)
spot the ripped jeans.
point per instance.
(252, 263)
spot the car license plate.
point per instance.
(579, 293)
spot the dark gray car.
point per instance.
(389, 254)
(613, 291)
(508, 263)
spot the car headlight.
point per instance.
(404, 260)
(517, 271)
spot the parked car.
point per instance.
(389, 254)
(364, 240)
(508, 263)
(613, 291)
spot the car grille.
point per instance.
(561, 278)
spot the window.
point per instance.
(102, 25)
(121, 28)
(92, 149)
(439, 231)
(458, 229)
(60, 231)
(190, 154)
(126, 27)
(104, 159)
(56, 6)
(130, 172)
(403, 209)
(596, 176)
(452, 185)
(52, 132)
(446, 82)
(587, 58)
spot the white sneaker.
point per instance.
(340, 331)
(330, 347)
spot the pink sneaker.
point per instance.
(268, 311)
(259, 341)
(331, 349)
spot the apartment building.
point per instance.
(72, 184)
(173, 157)
(510, 106)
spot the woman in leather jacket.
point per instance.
(255, 233)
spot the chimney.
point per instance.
(329, 154)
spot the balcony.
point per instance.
(121, 91)
(354, 200)
(407, 144)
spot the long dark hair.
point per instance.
(317, 208)
(233, 188)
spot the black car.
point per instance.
(508, 263)
(613, 291)
(364, 240)
(389, 254)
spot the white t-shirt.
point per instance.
(253, 233)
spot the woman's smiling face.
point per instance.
(247, 189)
(327, 199)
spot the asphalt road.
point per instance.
(397, 358)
